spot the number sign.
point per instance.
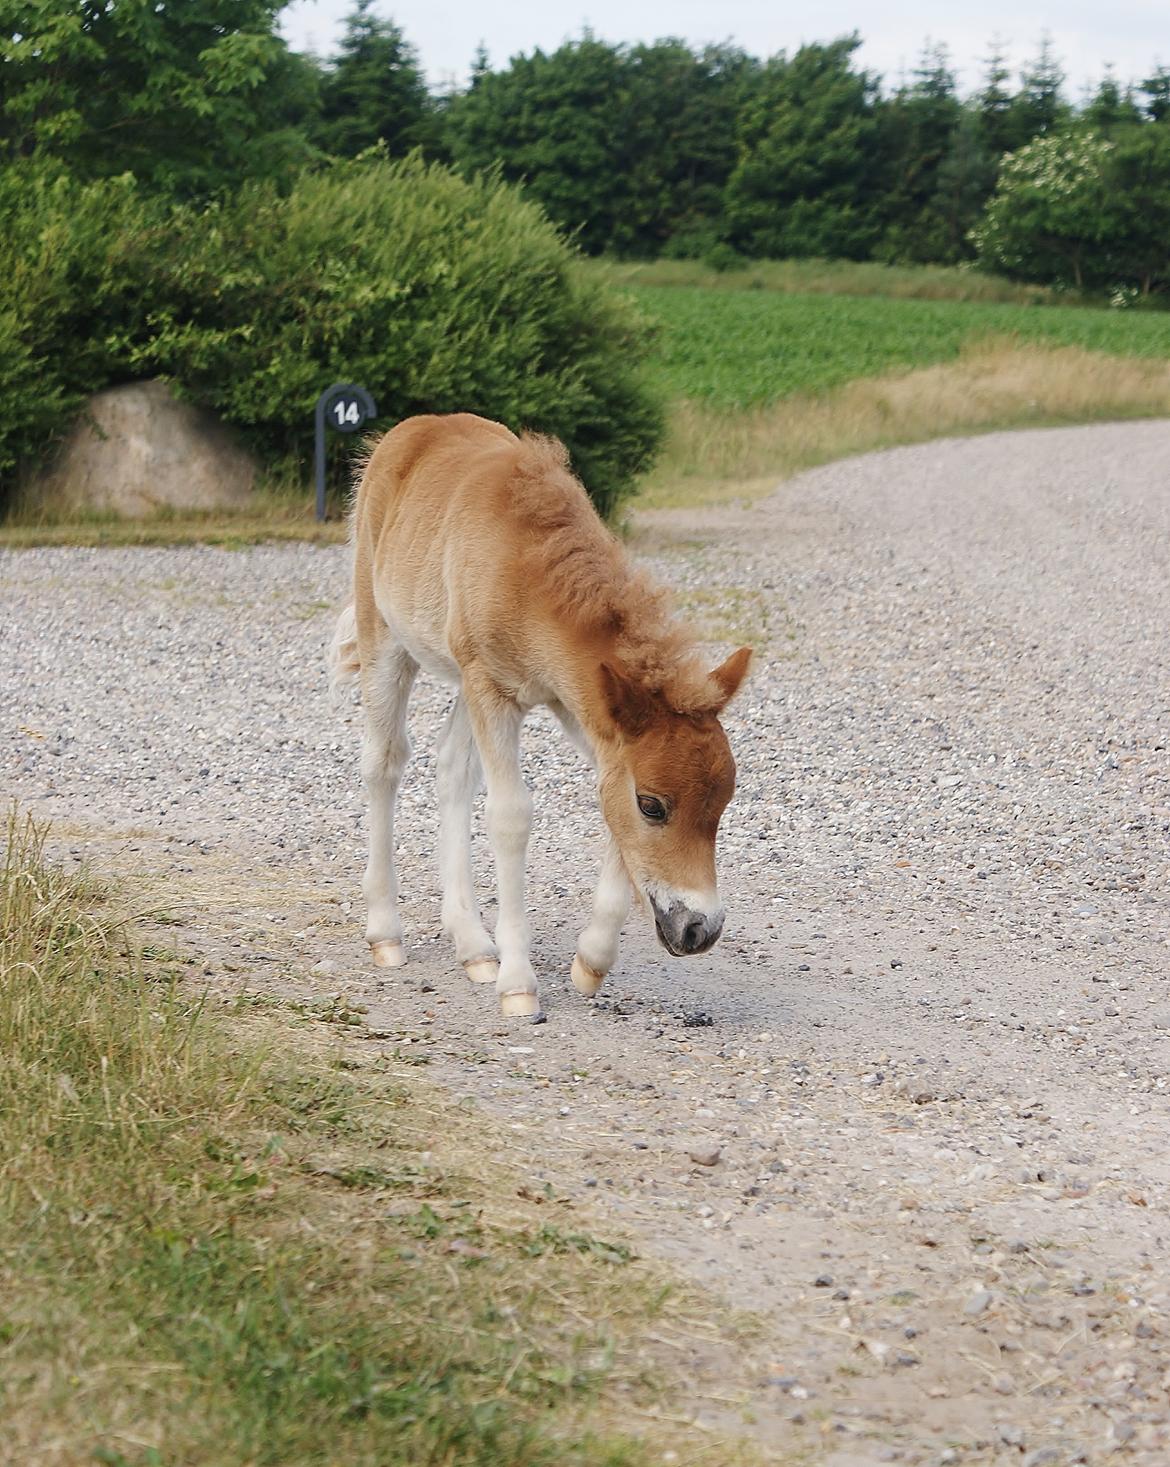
(346, 412)
(344, 408)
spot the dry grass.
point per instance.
(713, 456)
(269, 521)
(230, 1239)
(837, 277)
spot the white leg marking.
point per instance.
(496, 722)
(459, 779)
(385, 691)
(597, 947)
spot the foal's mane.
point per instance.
(588, 580)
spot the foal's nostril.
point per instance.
(684, 931)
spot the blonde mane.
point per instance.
(590, 581)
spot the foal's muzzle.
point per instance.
(685, 932)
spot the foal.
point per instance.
(478, 557)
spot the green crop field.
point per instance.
(743, 349)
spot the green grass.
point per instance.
(225, 1239)
(735, 350)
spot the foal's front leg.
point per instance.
(496, 721)
(597, 947)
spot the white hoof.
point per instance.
(519, 1005)
(482, 970)
(388, 954)
(585, 980)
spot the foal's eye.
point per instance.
(654, 810)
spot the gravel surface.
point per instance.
(912, 1109)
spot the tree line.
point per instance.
(638, 151)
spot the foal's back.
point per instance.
(468, 541)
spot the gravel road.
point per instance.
(929, 1061)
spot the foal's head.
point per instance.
(665, 781)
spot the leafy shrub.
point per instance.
(437, 294)
(723, 257)
(703, 240)
(692, 240)
(1082, 209)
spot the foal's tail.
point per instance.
(343, 659)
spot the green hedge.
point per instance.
(437, 294)
(70, 300)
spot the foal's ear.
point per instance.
(629, 706)
(729, 675)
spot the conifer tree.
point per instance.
(1039, 107)
(373, 91)
(806, 182)
(994, 101)
(964, 182)
(1156, 88)
(916, 127)
(1110, 107)
(625, 147)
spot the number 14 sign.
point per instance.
(344, 408)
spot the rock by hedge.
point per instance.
(135, 449)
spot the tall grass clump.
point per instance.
(93, 1059)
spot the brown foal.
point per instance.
(479, 558)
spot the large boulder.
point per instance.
(137, 449)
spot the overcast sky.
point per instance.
(1131, 34)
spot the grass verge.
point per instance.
(715, 455)
(233, 529)
(223, 1241)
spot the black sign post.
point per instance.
(344, 408)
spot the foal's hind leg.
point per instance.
(387, 677)
(460, 776)
(597, 947)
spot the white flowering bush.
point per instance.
(1052, 218)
